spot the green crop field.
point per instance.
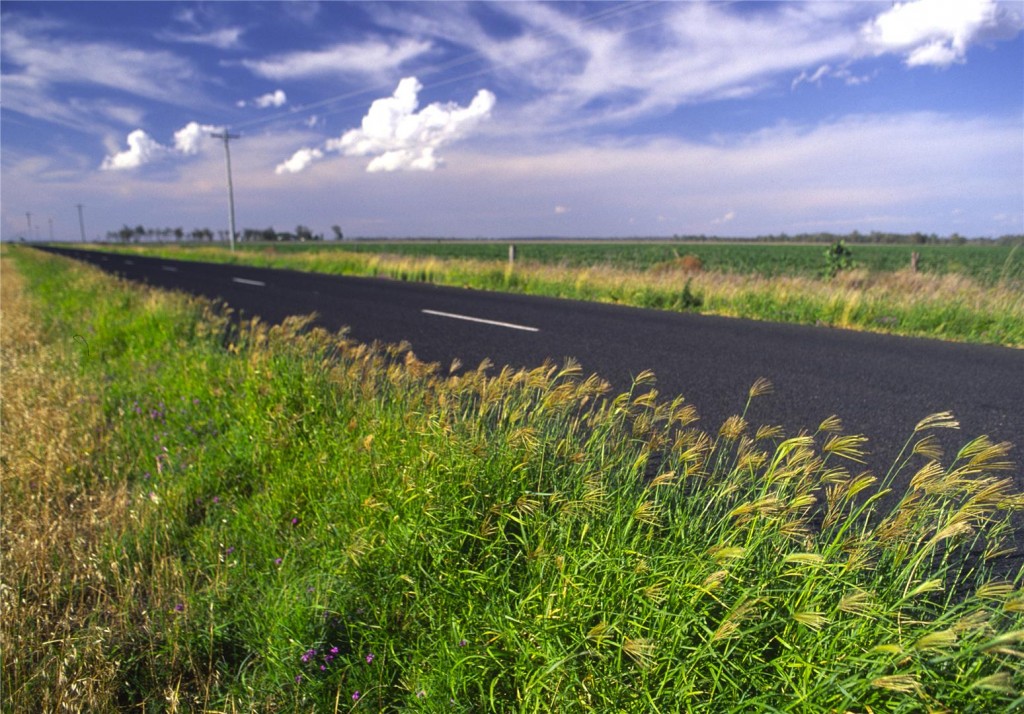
(207, 516)
(985, 263)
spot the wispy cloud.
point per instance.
(226, 38)
(371, 58)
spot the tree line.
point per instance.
(137, 234)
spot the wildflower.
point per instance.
(308, 655)
(462, 643)
(229, 550)
(334, 650)
(356, 695)
(298, 678)
(323, 668)
(277, 561)
(180, 607)
(420, 694)
(369, 658)
(295, 521)
(216, 499)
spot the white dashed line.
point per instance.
(129, 262)
(246, 281)
(169, 268)
(509, 325)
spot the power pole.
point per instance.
(227, 137)
(81, 221)
(28, 215)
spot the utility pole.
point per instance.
(28, 214)
(81, 221)
(227, 137)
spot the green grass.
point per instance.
(987, 264)
(308, 518)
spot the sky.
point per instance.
(514, 119)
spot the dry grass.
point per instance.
(53, 582)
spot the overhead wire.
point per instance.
(468, 58)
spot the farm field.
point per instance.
(201, 515)
(976, 295)
(986, 263)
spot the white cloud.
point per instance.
(299, 161)
(724, 219)
(400, 138)
(560, 210)
(192, 137)
(142, 149)
(45, 60)
(276, 98)
(224, 39)
(372, 58)
(938, 32)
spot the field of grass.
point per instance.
(987, 264)
(200, 516)
(949, 306)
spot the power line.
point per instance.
(227, 137)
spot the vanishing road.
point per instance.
(879, 385)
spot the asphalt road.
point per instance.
(879, 385)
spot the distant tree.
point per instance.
(337, 233)
(303, 233)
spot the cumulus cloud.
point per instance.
(276, 98)
(192, 137)
(299, 161)
(143, 149)
(400, 138)
(938, 32)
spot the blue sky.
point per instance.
(515, 119)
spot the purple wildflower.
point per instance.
(277, 561)
(356, 695)
(298, 678)
(180, 607)
(295, 521)
(229, 550)
(462, 643)
(369, 658)
(334, 650)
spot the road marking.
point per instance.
(129, 262)
(169, 268)
(245, 281)
(509, 325)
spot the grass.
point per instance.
(205, 516)
(949, 306)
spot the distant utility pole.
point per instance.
(227, 137)
(28, 215)
(81, 221)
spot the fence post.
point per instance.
(511, 255)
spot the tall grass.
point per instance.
(947, 306)
(285, 520)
